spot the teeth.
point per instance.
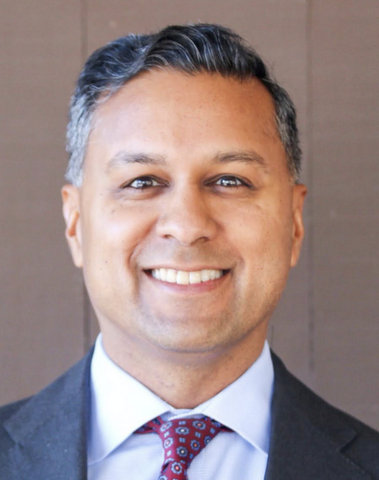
(205, 276)
(195, 277)
(171, 275)
(182, 277)
(163, 275)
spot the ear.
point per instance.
(71, 214)
(299, 193)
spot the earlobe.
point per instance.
(299, 194)
(71, 214)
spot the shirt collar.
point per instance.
(120, 404)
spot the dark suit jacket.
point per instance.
(44, 437)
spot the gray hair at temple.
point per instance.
(188, 48)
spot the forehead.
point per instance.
(168, 112)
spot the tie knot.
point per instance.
(182, 440)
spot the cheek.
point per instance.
(262, 236)
(111, 235)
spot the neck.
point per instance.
(185, 379)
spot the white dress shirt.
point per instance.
(120, 404)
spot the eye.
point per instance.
(230, 181)
(142, 183)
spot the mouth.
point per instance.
(184, 277)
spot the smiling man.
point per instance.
(184, 211)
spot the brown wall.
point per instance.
(325, 53)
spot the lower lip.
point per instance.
(191, 288)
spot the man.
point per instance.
(184, 210)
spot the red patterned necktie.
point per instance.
(182, 440)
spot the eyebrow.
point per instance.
(125, 158)
(241, 156)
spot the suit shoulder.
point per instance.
(28, 415)
(6, 412)
(359, 442)
(44, 436)
(9, 409)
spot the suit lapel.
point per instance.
(307, 437)
(49, 430)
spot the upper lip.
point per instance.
(192, 268)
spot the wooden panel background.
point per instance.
(324, 53)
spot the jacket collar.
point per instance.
(307, 435)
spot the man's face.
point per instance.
(187, 221)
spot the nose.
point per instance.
(187, 217)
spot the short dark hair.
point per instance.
(188, 48)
